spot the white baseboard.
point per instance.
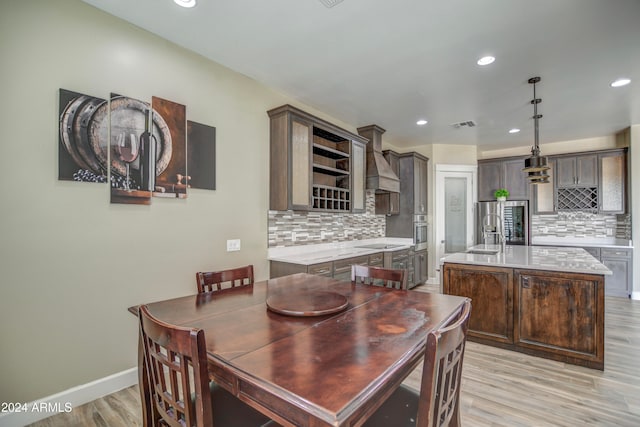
(635, 295)
(66, 400)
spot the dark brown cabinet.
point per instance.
(577, 171)
(314, 165)
(545, 194)
(413, 194)
(388, 203)
(549, 314)
(502, 173)
(612, 189)
(592, 182)
(402, 259)
(491, 293)
(421, 267)
(342, 268)
(339, 269)
(559, 312)
(619, 261)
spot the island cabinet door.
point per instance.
(491, 293)
(560, 314)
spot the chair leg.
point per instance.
(143, 383)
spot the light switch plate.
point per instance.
(233, 245)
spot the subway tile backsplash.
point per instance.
(290, 228)
(581, 224)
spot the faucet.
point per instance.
(499, 230)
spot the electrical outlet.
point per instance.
(233, 245)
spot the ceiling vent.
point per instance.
(468, 124)
(330, 3)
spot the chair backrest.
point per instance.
(176, 361)
(389, 277)
(217, 280)
(442, 371)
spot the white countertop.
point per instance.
(601, 242)
(566, 259)
(326, 252)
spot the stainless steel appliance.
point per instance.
(420, 232)
(510, 218)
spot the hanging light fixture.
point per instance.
(536, 166)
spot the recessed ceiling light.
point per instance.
(514, 130)
(486, 60)
(421, 122)
(620, 82)
(185, 3)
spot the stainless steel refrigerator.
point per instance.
(512, 216)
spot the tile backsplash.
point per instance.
(581, 224)
(291, 228)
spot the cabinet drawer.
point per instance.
(345, 264)
(323, 269)
(615, 253)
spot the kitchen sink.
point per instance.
(483, 251)
(380, 246)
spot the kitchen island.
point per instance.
(543, 301)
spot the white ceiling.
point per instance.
(393, 62)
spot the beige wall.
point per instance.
(71, 262)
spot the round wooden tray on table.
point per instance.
(305, 304)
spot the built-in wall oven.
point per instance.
(420, 232)
(511, 218)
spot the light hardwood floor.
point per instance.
(499, 387)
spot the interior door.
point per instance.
(455, 204)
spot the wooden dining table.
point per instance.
(316, 365)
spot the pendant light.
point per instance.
(536, 166)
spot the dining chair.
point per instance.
(389, 277)
(438, 402)
(217, 280)
(179, 388)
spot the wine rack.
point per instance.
(578, 199)
(331, 175)
(331, 198)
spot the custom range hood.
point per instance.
(380, 176)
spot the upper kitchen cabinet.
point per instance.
(544, 194)
(413, 183)
(413, 194)
(592, 182)
(388, 202)
(577, 171)
(612, 188)
(314, 165)
(502, 173)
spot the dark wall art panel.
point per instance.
(132, 123)
(201, 155)
(80, 150)
(143, 149)
(172, 180)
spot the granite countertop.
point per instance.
(565, 259)
(327, 252)
(598, 242)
